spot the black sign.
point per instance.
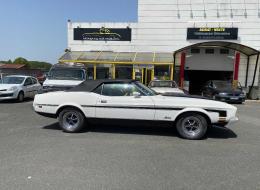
(212, 34)
(103, 34)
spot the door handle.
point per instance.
(103, 101)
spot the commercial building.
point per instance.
(190, 41)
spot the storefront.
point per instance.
(121, 65)
(206, 40)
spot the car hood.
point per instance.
(163, 90)
(183, 102)
(7, 86)
(228, 90)
(48, 82)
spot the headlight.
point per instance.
(222, 94)
(12, 88)
(45, 87)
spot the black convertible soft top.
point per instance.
(90, 85)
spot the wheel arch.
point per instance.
(20, 91)
(73, 106)
(200, 112)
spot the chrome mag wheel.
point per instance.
(71, 120)
(192, 126)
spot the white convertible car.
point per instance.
(128, 100)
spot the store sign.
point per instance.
(212, 34)
(143, 66)
(103, 34)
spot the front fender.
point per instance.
(212, 116)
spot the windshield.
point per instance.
(145, 89)
(66, 74)
(222, 84)
(12, 80)
(169, 84)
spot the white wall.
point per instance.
(162, 26)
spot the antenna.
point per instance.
(231, 9)
(178, 10)
(191, 12)
(245, 13)
(205, 15)
(218, 15)
(259, 8)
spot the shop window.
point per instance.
(124, 72)
(209, 51)
(195, 51)
(224, 51)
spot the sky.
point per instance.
(37, 29)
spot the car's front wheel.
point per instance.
(20, 97)
(71, 120)
(192, 126)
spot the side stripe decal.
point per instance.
(133, 107)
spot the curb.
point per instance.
(252, 101)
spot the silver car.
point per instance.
(18, 87)
(165, 87)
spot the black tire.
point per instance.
(192, 126)
(71, 120)
(20, 97)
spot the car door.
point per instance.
(124, 101)
(36, 86)
(28, 87)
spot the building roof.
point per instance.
(109, 57)
(12, 66)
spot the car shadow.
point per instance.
(15, 101)
(221, 133)
(213, 133)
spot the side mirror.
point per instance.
(136, 94)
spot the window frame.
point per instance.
(103, 84)
(28, 78)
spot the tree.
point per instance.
(22, 61)
(40, 65)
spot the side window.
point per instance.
(98, 90)
(34, 81)
(27, 82)
(119, 89)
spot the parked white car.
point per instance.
(18, 87)
(165, 86)
(64, 76)
(128, 100)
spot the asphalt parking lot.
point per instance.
(35, 154)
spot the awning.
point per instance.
(108, 57)
(229, 45)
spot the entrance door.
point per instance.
(117, 101)
(147, 76)
(102, 73)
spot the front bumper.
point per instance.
(8, 95)
(226, 124)
(235, 99)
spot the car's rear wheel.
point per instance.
(71, 120)
(192, 126)
(20, 97)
